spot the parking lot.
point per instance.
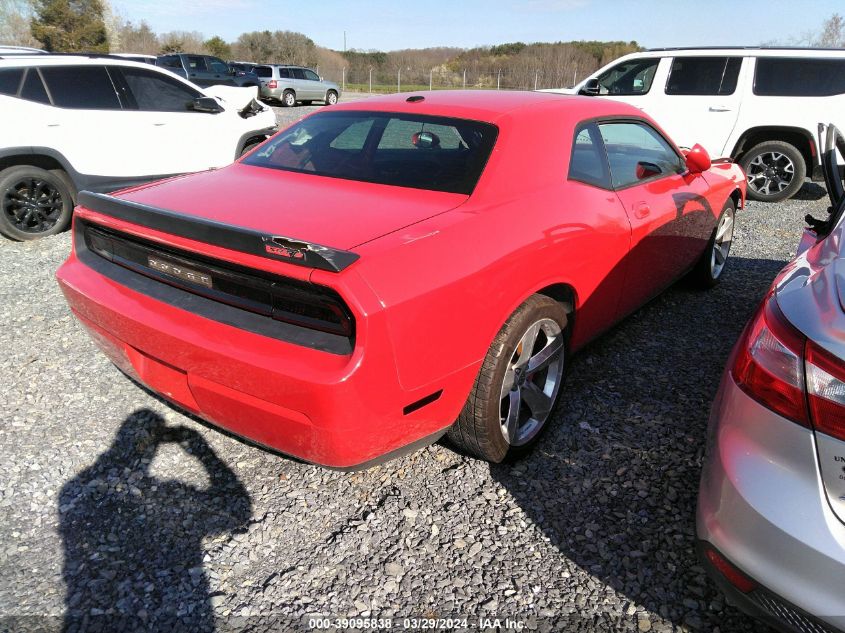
(107, 495)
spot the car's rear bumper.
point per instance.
(761, 504)
(337, 410)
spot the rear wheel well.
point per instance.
(801, 139)
(736, 196)
(43, 162)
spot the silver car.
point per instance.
(771, 507)
(294, 84)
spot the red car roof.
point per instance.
(487, 105)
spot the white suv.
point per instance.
(759, 106)
(69, 123)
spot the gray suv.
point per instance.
(205, 70)
(292, 84)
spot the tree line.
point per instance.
(92, 26)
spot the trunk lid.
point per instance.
(332, 212)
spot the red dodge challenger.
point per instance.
(387, 271)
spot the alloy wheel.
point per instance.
(531, 382)
(722, 243)
(770, 173)
(32, 205)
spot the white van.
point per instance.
(759, 106)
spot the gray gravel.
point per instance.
(112, 505)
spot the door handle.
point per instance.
(641, 210)
(719, 108)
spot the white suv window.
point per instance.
(156, 92)
(633, 77)
(799, 77)
(81, 87)
(703, 76)
(10, 80)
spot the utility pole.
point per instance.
(536, 76)
(430, 83)
(399, 80)
(343, 71)
(499, 80)
(465, 78)
(371, 79)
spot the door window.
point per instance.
(633, 77)
(81, 87)
(799, 77)
(629, 143)
(588, 163)
(218, 66)
(156, 92)
(33, 88)
(196, 63)
(310, 75)
(703, 76)
(10, 80)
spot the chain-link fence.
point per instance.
(409, 80)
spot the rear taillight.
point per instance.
(826, 391)
(272, 84)
(728, 570)
(769, 364)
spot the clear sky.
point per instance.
(390, 25)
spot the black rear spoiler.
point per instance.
(235, 238)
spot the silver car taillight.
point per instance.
(826, 391)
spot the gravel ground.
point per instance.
(112, 505)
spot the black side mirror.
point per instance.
(647, 170)
(590, 88)
(205, 104)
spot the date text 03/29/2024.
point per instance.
(417, 624)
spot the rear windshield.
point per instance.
(422, 152)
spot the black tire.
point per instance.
(479, 429)
(709, 269)
(331, 97)
(766, 173)
(250, 144)
(34, 202)
(288, 98)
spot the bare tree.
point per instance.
(15, 17)
(137, 39)
(833, 33)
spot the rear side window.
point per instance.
(588, 162)
(33, 88)
(156, 92)
(703, 76)
(633, 77)
(83, 87)
(297, 73)
(799, 77)
(284, 73)
(263, 71)
(10, 80)
(417, 151)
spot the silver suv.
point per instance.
(292, 84)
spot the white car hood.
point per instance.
(232, 95)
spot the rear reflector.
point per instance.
(769, 364)
(826, 391)
(727, 569)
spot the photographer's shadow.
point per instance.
(133, 543)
